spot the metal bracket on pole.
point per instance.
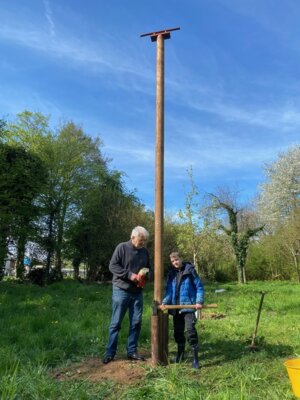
(165, 33)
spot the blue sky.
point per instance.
(232, 83)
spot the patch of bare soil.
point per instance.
(213, 316)
(92, 369)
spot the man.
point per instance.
(184, 287)
(127, 261)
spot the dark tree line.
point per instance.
(58, 196)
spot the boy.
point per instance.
(184, 287)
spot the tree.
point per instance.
(188, 235)
(71, 158)
(197, 238)
(22, 177)
(238, 229)
(279, 199)
(107, 218)
(279, 203)
(76, 155)
(290, 241)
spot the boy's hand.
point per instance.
(163, 307)
(198, 306)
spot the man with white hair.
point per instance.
(129, 263)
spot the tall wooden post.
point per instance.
(159, 170)
(159, 322)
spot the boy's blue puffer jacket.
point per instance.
(191, 289)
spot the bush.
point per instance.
(1, 273)
(38, 276)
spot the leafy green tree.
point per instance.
(108, 216)
(76, 157)
(22, 178)
(85, 209)
(189, 233)
(71, 158)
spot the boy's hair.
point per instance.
(175, 254)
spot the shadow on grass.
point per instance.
(222, 351)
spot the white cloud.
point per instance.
(48, 14)
(98, 57)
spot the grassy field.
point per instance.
(46, 328)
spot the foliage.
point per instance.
(279, 207)
(239, 229)
(81, 199)
(40, 276)
(107, 218)
(279, 199)
(198, 240)
(22, 177)
(190, 227)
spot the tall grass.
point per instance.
(45, 328)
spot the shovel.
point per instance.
(253, 346)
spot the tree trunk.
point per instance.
(76, 263)
(91, 273)
(239, 272)
(20, 258)
(59, 243)
(50, 244)
(3, 251)
(196, 264)
(296, 263)
(244, 275)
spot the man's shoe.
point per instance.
(136, 357)
(107, 359)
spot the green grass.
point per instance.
(46, 328)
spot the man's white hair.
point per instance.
(139, 231)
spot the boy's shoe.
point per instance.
(195, 363)
(180, 353)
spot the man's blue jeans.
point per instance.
(121, 302)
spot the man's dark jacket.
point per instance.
(126, 260)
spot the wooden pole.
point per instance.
(159, 322)
(159, 172)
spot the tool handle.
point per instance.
(258, 317)
(189, 306)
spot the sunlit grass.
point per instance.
(43, 328)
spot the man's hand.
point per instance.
(134, 277)
(139, 279)
(143, 277)
(142, 280)
(198, 306)
(163, 307)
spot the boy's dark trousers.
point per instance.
(185, 320)
(181, 321)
